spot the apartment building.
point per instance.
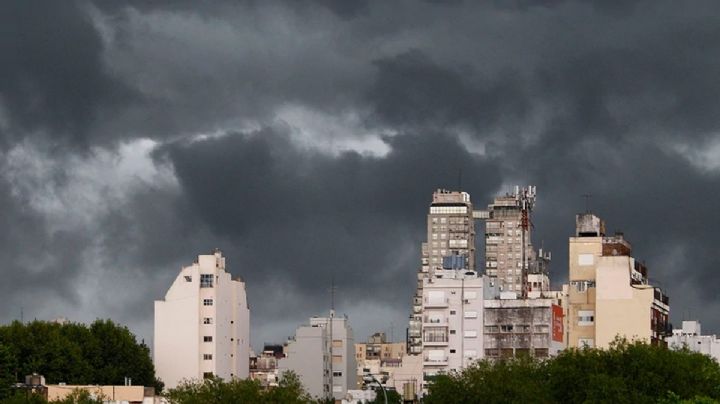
(450, 241)
(509, 254)
(609, 294)
(322, 354)
(379, 358)
(202, 325)
(452, 322)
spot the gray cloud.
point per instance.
(305, 139)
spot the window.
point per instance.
(207, 338)
(207, 356)
(452, 351)
(470, 354)
(337, 374)
(470, 334)
(471, 314)
(207, 320)
(188, 278)
(586, 317)
(207, 302)
(586, 343)
(452, 331)
(208, 375)
(206, 280)
(586, 259)
(452, 312)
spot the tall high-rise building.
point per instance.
(450, 243)
(202, 326)
(509, 254)
(609, 294)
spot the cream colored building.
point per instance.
(609, 293)
(379, 358)
(202, 327)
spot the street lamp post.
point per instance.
(372, 378)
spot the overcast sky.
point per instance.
(305, 138)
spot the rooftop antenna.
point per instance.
(587, 202)
(332, 295)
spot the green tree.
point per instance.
(103, 353)
(520, 380)
(79, 396)
(624, 373)
(289, 391)
(23, 397)
(7, 366)
(392, 397)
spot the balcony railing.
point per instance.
(436, 302)
(435, 361)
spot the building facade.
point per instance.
(379, 358)
(322, 354)
(450, 242)
(452, 322)
(609, 293)
(509, 254)
(532, 327)
(202, 325)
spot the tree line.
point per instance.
(634, 373)
(101, 353)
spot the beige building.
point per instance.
(509, 254)
(108, 394)
(379, 358)
(202, 326)
(609, 293)
(450, 244)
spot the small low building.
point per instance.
(690, 337)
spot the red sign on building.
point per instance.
(557, 323)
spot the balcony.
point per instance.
(440, 339)
(436, 302)
(434, 322)
(433, 361)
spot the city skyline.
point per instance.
(305, 139)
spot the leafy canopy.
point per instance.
(625, 373)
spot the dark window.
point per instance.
(207, 338)
(206, 280)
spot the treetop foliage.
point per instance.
(625, 373)
(101, 353)
(289, 391)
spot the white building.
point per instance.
(452, 321)
(323, 357)
(690, 336)
(202, 325)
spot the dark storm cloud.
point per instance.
(299, 217)
(53, 77)
(616, 99)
